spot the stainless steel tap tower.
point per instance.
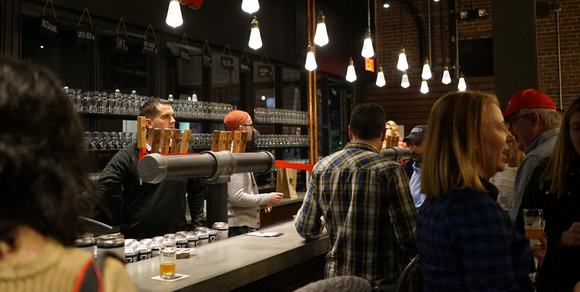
(215, 168)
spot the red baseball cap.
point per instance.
(526, 99)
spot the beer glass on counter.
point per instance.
(167, 258)
(534, 225)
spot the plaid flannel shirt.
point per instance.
(368, 212)
(466, 242)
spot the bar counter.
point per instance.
(232, 263)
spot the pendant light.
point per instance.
(462, 86)
(424, 87)
(321, 34)
(367, 49)
(402, 65)
(405, 80)
(446, 77)
(255, 38)
(174, 18)
(381, 78)
(426, 70)
(250, 6)
(194, 96)
(310, 64)
(350, 73)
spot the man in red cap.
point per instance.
(244, 201)
(534, 122)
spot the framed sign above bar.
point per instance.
(264, 70)
(49, 24)
(121, 42)
(184, 52)
(227, 62)
(150, 46)
(245, 63)
(206, 55)
(86, 35)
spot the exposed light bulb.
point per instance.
(405, 80)
(436, 0)
(367, 50)
(194, 96)
(174, 18)
(386, 5)
(350, 73)
(446, 77)
(263, 97)
(310, 64)
(381, 78)
(426, 70)
(250, 6)
(424, 87)
(402, 65)
(170, 98)
(255, 37)
(189, 98)
(462, 86)
(321, 34)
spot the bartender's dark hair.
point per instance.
(149, 108)
(42, 158)
(367, 122)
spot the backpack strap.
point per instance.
(90, 277)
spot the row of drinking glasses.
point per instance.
(108, 140)
(280, 116)
(201, 140)
(265, 141)
(107, 103)
(201, 109)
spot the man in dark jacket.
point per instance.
(150, 210)
(413, 166)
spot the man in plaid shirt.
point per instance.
(365, 203)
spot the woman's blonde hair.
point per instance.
(453, 150)
(514, 155)
(563, 157)
(394, 128)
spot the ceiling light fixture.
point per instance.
(174, 18)
(310, 64)
(321, 35)
(386, 4)
(381, 78)
(350, 73)
(405, 80)
(367, 49)
(194, 96)
(446, 79)
(402, 65)
(426, 70)
(250, 6)
(255, 41)
(462, 86)
(424, 87)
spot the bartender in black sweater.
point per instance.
(150, 210)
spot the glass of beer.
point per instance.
(534, 225)
(167, 258)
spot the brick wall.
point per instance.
(395, 27)
(569, 53)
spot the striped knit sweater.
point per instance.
(244, 201)
(56, 268)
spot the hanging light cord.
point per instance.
(369, 12)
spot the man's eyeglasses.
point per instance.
(513, 121)
(249, 125)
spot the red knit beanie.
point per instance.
(234, 119)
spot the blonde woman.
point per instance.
(504, 180)
(466, 242)
(392, 136)
(554, 187)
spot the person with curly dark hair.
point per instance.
(42, 175)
